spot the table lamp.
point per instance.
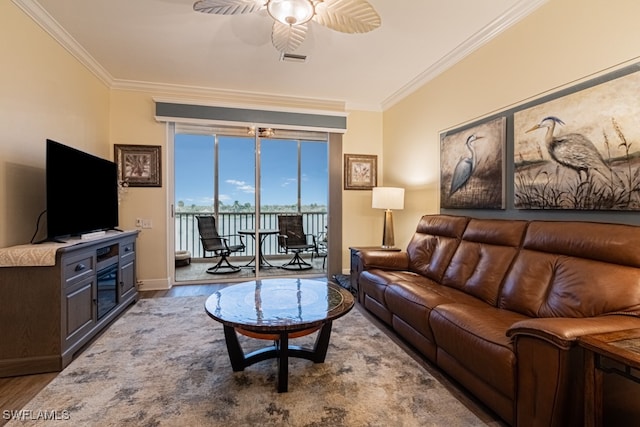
(387, 198)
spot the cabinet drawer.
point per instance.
(78, 268)
(127, 250)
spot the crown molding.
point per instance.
(41, 17)
(356, 106)
(200, 95)
(520, 10)
(59, 34)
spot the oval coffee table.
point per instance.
(277, 310)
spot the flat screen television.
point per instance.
(81, 191)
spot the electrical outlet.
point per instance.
(139, 222)
(147, 223)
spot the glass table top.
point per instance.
(272, 305)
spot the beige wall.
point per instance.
(44, 93)
(561, 43)
(361, 224)
(133, 122)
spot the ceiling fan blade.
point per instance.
(287, 38)
(227, 7)
(347, 16)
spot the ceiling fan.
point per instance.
(291, 17)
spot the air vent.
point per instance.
(292, 57)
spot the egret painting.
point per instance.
(580, 151)
(472, 166)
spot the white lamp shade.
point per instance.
(387, 198)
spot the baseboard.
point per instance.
(30, 365)
(154, 285)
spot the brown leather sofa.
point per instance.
(498, 305)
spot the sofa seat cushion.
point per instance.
(412, 301)
(374, 282)
(475, 336)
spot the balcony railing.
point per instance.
(188, 238)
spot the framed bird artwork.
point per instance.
(472, 164)
(579, 150)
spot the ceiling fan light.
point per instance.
(291, 12)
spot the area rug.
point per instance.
(165, 363)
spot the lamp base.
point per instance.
(388, 240)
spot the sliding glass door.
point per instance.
(226, 174)
(194, 187)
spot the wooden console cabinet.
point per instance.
(48, 313)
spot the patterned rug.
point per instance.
(165, 363)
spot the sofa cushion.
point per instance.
(433, 244)
(412, 301)
(374, 282)
(475, 336)
(557, 274)
(612, 243)
(483, 257)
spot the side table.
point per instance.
(355, 266)
(613, 352)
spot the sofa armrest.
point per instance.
(563, 331)
(386, 260)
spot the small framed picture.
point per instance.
(360, 171)
(138, 165)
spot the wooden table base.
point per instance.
(280, 350)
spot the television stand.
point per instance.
(51, 311)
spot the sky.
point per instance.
(194, 170)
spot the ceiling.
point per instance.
(165, 44)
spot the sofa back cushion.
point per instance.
(484, 256)
(575, 269)
(433, 244)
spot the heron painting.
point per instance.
(580, 151)
(471, 166)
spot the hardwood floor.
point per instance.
(183, 291)
(16, 392)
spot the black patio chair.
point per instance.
(321, 250)
(218, 244)
(292, 238)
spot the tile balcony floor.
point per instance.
(196, 271)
